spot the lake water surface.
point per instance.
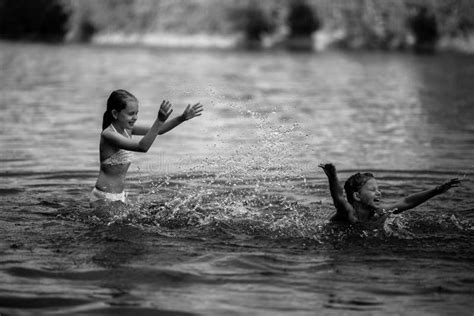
(230, 211)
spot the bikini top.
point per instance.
(120, 157)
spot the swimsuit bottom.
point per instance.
(98, 195)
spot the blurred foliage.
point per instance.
(33, 20)
(252, 20)
(424, 27)
(302, 19)
(357, 23)
(386, 24)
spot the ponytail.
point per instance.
(117, 101)
(107, 120)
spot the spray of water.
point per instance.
(244, 191)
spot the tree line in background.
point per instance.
(377, 24)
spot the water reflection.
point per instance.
(361, 110)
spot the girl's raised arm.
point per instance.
(416, 199)
(344, 211)
(140, 130)
(189, 113)
(144, 144)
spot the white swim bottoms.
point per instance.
(101, 196)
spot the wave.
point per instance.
(269, 217)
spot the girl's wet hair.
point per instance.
(117, 101)
(355, 183)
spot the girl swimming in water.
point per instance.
(116, 143)
(364, 197)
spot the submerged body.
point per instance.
(364, 199)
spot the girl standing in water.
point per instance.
(364, 197)
(116, 143)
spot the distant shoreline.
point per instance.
(167, 40)
(339, 24)
(322, 41)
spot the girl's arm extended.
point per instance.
(416, 199)
(189, 113)
(145, 143)
(344, 211)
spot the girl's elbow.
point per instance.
(404, 207)
(143, 149)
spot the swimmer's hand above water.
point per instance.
(328, 168)
(165, 111)
(442, 188)
(192, 111)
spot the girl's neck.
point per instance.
(119, 129)
(363, 212)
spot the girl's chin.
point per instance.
(373, 205)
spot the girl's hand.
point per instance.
(192, 111)
(329, 169)
(447, 185)
(165, 111)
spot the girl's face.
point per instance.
(369, 195)
(127, 117)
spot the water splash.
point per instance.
(397, 226)
(223, 184)
(247, 190)
(238, 216)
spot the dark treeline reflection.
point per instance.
(34, 20)
(373, 24)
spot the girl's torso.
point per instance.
(114, 164)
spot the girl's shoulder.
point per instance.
(107, 136)
(110, 131)
(106, 131)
